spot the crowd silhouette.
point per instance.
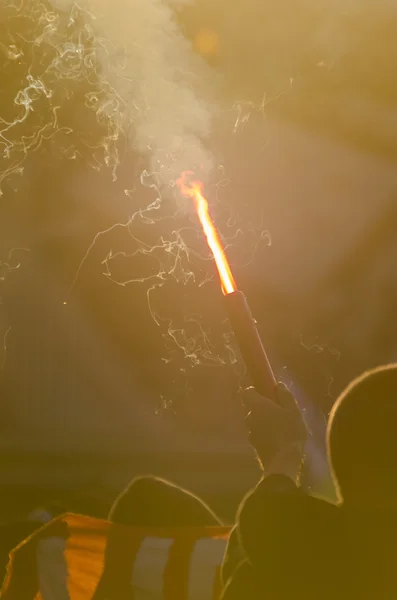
(161, 541)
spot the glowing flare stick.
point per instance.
(193, 190)
(239, 314)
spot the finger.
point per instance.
(257, 414)
(248, 417)
(252, 400)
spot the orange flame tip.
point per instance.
(194, 190)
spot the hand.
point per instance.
(277, 431)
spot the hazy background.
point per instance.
(286, 111)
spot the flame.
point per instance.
(194, 189)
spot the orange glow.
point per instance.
(194, 189)
(206, 42)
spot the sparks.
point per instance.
(194, 190)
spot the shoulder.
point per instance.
(288, 522)
(277, 496)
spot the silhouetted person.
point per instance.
(280, 529)
(362, 440)
(362, 448)
(166, 546)
(301, 547)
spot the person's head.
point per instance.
(152, 502)
(362, 439)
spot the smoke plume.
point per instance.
(152, 79)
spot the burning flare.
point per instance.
(239, 314)
(194, 189)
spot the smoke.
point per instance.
(81, 79)
(150, 71)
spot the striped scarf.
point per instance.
(113, 562)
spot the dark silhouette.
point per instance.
(300, 546)
(153, 502)
(362, 440)
(150, 502)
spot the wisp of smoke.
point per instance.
(154, 73)
(127, 64)
(146, 84)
